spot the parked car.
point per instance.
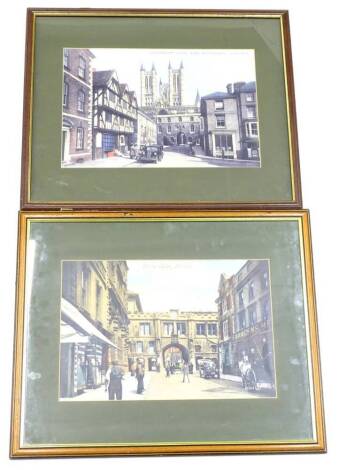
(150, 153)
(208, 369)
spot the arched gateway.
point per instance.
(174, 353)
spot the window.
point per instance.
(66, 93)
(250, 112)
(168, 329)
(250, 97)
(225, 329)
(66, 58)
(251, 291)
(160, 129)
(139, 347)
(201, 329)
(252, 129)
(144, 329)
(85, 286)
(241, 321)
(159, 119)
(168, 119)
(191, 118)
(264, 280)
(81, 100)
(98, 300)
(181, 328)
(82, 67)
(192, 128)
(197, 348)
(228, 302)
(220, 120)
(266, 310)
(213, 347)
(212, 329)
(253, 317)
(151, 347)
(169, 129)
(219, 105)
(180, 119)
(241, 299)
(80, 138)
(224, 141)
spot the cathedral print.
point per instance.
(159, 108)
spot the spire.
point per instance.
(153, 67)
(169, 65)
(142, 68)
(197, 99)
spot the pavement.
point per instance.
(171, 159)
(160, 387)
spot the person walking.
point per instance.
(185, 372)
(168, 369)
(113, 382)
(140, 374)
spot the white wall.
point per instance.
(314, 27)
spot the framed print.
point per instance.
(165, 333)
(141, 109)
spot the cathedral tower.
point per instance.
(175, 82)
(149, 88)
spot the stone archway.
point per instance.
(174, 352)
(181, 138)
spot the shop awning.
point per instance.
(68, 311)
(68, 334)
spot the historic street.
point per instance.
(160, 387)
(171, 159)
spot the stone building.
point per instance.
(246, 95)
(245, 319)
(114, 115)
(146, 129)
(94, 323)
(178, 126)
(178, 123)
(230, 124)
(173, 336)
(220, 125)
(77, 106)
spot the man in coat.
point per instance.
(140, 374)
(113, 382)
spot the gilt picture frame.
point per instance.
(238, 290)
(114, 119)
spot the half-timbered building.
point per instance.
(114, 115)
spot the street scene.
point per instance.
(159, 109)
(166, 330)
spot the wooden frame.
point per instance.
(33, 14)
(316, 445)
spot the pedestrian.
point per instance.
(185, 372)
(140, 374)
(266, 358)
(168, 369)
(113, 382)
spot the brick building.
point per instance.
(245, 319)
(77, 106)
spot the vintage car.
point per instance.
(208, 369)
(150, 153)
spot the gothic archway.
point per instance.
(175, 352)
(181, 138)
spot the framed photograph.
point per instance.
(165, 333)
(141, 109)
